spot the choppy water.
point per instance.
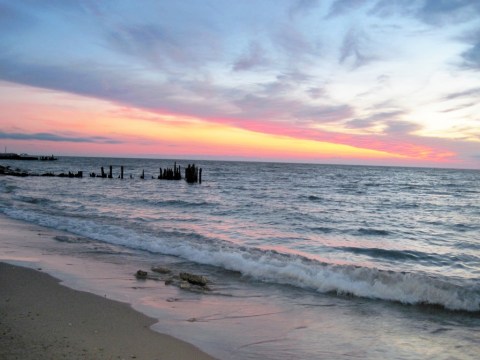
(392, 235)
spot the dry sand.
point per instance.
(41, 319)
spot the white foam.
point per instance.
(271, 266)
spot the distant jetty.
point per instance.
(13, 156)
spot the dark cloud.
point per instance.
(58, 138)
(387, 115)
(281, 110)
(22, 16)
(46, 6)
(254, 58)
(462, 94)
(284, 83)
(149, 42)
(459, 107)
(302, 7)
(360, 124)
(401, 127)
(355, 49)
(294, 76)
(440, 13)
(88, 80)
(433, 12)
(375, 119)
(341, 7)
(316, 92)
(296, 46)
(162, 46)
(174, 94)
(387, 8)
(449, 11)
(276, 88)
(252, 106)
(472, 57)
(194, 97)
(325, 114)
(12, 18)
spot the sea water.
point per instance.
(305, 261)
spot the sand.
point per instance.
(41, 319)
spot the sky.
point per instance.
(375, 82)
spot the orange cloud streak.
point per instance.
(140, 132)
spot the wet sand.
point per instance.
(41, 319)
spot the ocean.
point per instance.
(304, 261)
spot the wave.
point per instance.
(177, 203)
(32, 200)
(7, 187)
(373, 232)
(371, 184)
(183, 203)
(323, 229)
(388, 254)
(311, 198)
(464, 227)
(429, 259)
(275, 267)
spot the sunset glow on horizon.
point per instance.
(349, 82)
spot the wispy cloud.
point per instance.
(302, 7)
(376, 119)
(441, 12)
(59, 138)
(163, 47)
(306, 68)
(462, 94)
(343, 7)
(356, 49)
(472, 57)
(253, 58)
(433, 12)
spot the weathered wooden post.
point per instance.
(110, 173)
(121, 172)
(191, 173)
(200, 176)
(143, 175)
(103, 172)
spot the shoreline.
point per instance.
(40, 318)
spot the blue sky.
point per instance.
(396, 76)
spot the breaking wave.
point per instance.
(281, 268)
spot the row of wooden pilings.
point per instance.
(193, 174)
(7, 171)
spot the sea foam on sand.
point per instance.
(42, 319)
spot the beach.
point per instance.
(41, 319)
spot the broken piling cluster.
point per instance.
(193, 174)
(7, 171)
(170, 174)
